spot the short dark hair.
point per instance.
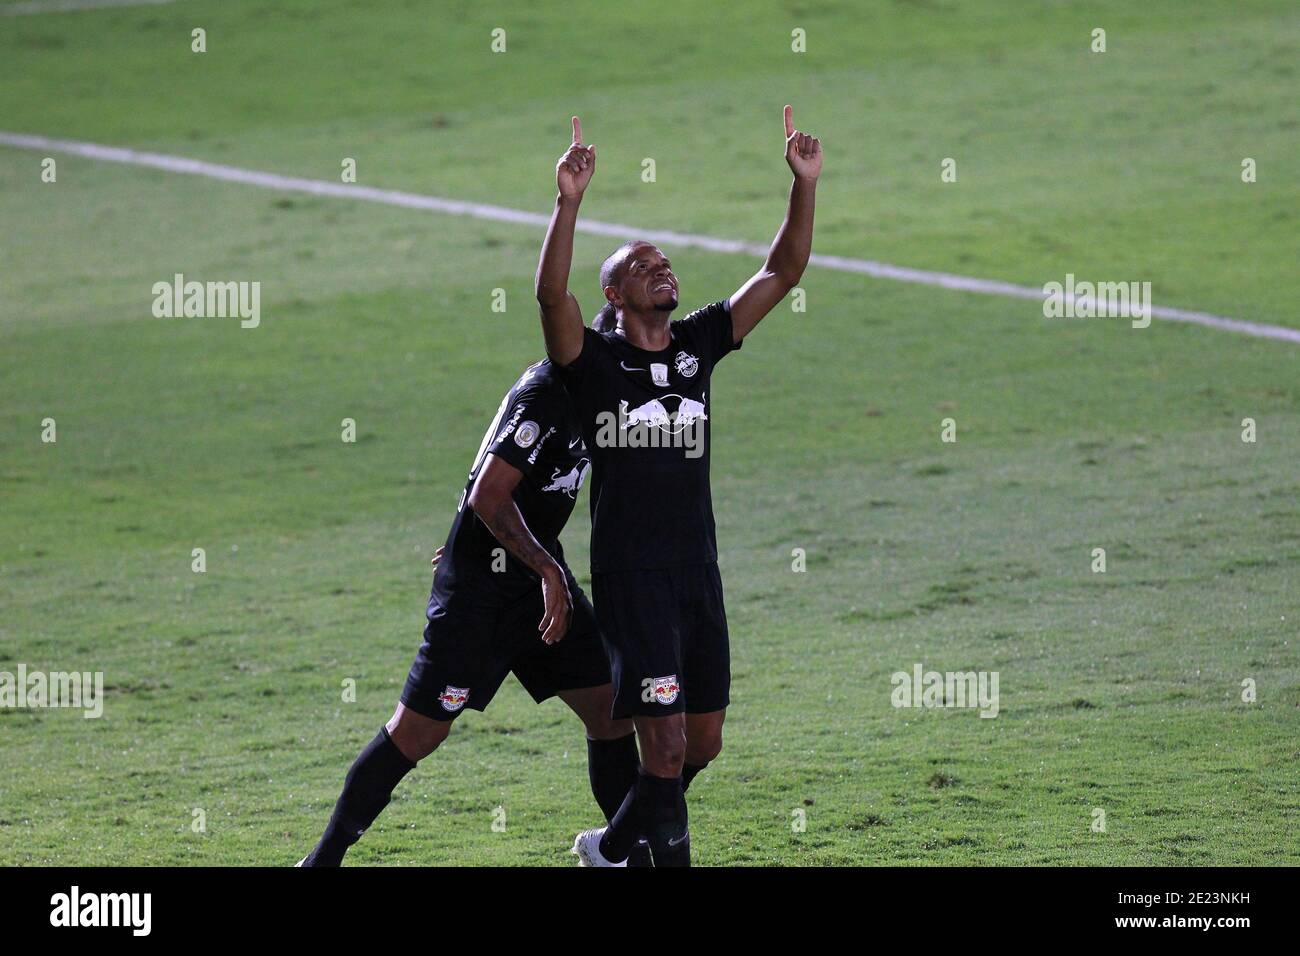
(609, 268)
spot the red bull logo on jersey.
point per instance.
(453, 698)
(671, 421)
(651, 413)
(571, 483)
(665, 689)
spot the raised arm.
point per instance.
(788, 256)
(561, 317)
(492, 499)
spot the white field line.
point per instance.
(71, 6)
(455, 207)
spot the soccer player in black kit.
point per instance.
(642, 397)
(500, 572)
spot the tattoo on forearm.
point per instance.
(507, 526)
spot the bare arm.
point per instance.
(788, 256)
(561, 316)
(492, 500)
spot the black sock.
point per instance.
(376, 772)
(624, 828)
(612, 766)
(639, 855)
(656, 808)
(688, 774)
(664, 825)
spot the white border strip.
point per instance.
(453, 207)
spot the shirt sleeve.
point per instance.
(535, 418)
(711, 328)
(575, 373)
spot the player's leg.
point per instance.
(680, 745)
(706, 663)
(656, 806)
(612, 757)
(414, 734)
(576, 669)
(406, 739)
(674, 749)
(703, 743)
(639, 621)
(611, 745)
(455, 667)
(592, 707)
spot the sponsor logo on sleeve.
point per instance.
(526, 434)
(532, 457)
(510, 425)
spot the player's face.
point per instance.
(648, 283)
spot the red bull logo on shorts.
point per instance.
(453, 698)
(665, 689)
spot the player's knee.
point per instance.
(415, 735)
(604, 727)
(704, 748)
(421, 742)
(664, 753)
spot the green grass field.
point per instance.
(1119, 691)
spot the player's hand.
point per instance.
(437, 556)
(573, 171)
(802, 152)
(559, 605)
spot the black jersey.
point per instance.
(534, 430)
(645, 417)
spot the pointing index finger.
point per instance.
(789, 122)
(577, 131)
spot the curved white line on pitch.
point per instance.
(474, 210)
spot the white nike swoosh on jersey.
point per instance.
(628, 368)
(680, 839)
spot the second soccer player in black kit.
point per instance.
(501, 571)
(643, 400)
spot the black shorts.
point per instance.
(666, 633)
(467, 653)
